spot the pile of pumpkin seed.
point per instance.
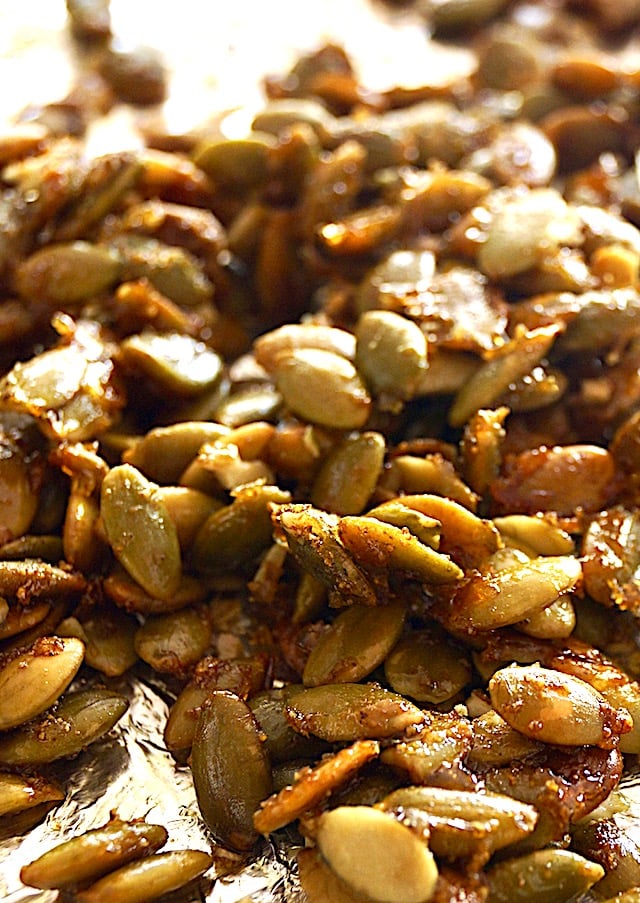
(336, 429)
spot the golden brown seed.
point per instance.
(553, 707)
(312, 785)
(92, 854)
(148, 878)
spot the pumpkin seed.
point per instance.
(501, 596)
(322, 387)
(377, 855)
(148, 878)
(34, 678)
(320, 883)
(140, 531)
(463, 823)
(164, 452)
(428, 666)
(347, 711)
(555, 707)
(282, 742)
(68, 273)
(391, 355)
(19, 793)
(553, 876)
(237, 533)
(173, 642)
(108, 636)
(172, 362)
(358, 640)
(88, 856)
(377, 545)
(231, 770)
(348, 475)
(81, 718)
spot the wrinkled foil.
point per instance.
(130, 773)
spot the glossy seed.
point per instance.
(428, 666)
(164, 452)
(88, 856)
(323, 388)
(68, 273)
(19, 793)
(140, 531)
(548, 876)
(312, 785)
(146, 879)
(503, 596)
(81, 718)
(173, 642)
(33, 679)
(378, 545)
(391, 355)
(231, 769)
(377, 855)
(348, 711)
(355, 644)
(464, 822)
(553, 707)
(172, 362)
(282, 742)
(349, 473)
(236, 533)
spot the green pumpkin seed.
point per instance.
(234, 535)
(164, 453)
(68, 273)
(146, 879)
(377, 855)
(282, 742)
(347, 711)
(90, 855)
(172, 362)
(241, 676)
(231, 770)
(30, 579)
(496, 743)
(129, 595)
(241, 162)
(140, 531)
(515, 360)
(173, 642)
(312, 538)
(426, 529)
(18, 618)
(268, 347)
(465, 823)
(391, 355)
(349, 473)
(81, 718)
(18, 793)
(34, 678)
(172, 270)
(428, 666)
(322, 387)
(355, 644)
(553, 707)
(548, 876)
(502, 596)
(108, 635)
(534, 535)
(381, 546)
(46, 548)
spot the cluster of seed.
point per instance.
(336, 427)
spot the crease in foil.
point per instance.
(130, 773)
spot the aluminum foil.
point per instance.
(130, 773)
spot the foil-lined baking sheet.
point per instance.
(130, 773)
